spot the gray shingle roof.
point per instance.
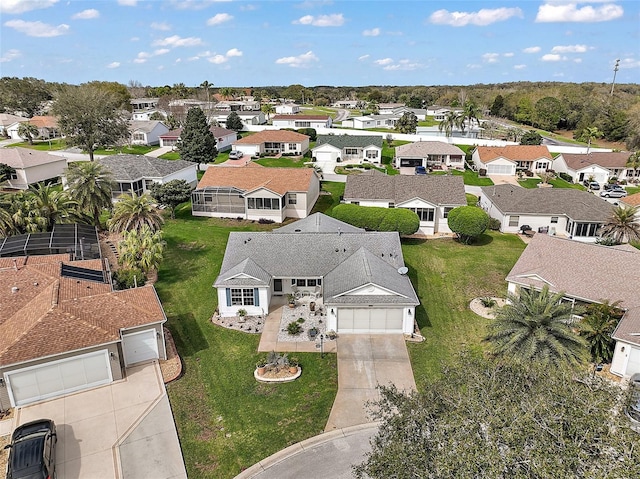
(245, 273)
(349, 141)
(318, 223)
(134, 167)
(576, 204)
(437, 190)
(146, 126)
(422, 149)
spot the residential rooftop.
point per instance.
(513, 152)
(126, 167)
(18, 157)
(266, 136)
(611, 159)
(349, 141)
(421, 149)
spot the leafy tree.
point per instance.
(596, 327)
(197, 143)
(524, 112)
(468, 222)
(133, 212)
(157, 116)
(141, 249)
(408, 123)
(374, 108)
(497, 106)
(633, 128)
(547, 113)
(117, 90)
(23, 95)
(90, 117)
(226, 92)
(414, 102)
(234, 122)
(28, 132)
(402, 220)
(172, 194)
(531, 137)
(536, 326)
(623, 224)
(206, 86)
(91, 184)
(486, 419)
(452, 120)
(6, 172)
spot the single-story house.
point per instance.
(576, 214)
(588, 273)
(224, 137)
(508, 160)
(47, 127)
(389, 107)
(146, 132)
(143, 104)
(6, 120)
(248, 118)
(440, 112)
(631, 200)
(32, 166)
(420, 113)
(360, 276)
(238, 105)
(348, 104)
(302, 121)
(287, 109)
(254, 192)
(273, 142)
(430, 154)
(136, 174)
(348, 148)
(64, 329)
(371, 121)
(430, 197)
(596, 166)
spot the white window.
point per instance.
(514, 220)
(263, 203)
(372, 154)
(242, 297)
(554, 220)
(446, 211)
(425, 214)
(292, 198)
(350, 151)
(293, 146)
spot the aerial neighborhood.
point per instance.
(210, 275)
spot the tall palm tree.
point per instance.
(623, 224)
(268, 109)
(132, 212)
(590, 133)
(634, 162)
(91, 185)
(28, 132)
(536, 325)
(53, 206)
(471, 113)
(205, 85)
(226, 92)
(450, 122)
(142, 249)
(597, 325)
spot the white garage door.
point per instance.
(633, 365)
(499, 170)
(369, 320)
(139, 347)
(59, 377)
(325, 156)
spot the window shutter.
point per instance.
(228, 297)
(256, 297)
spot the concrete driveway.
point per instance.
(364, 362)
(122, 430)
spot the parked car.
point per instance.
(420, 170)
(613, 193)
(32, 451)
(235, 154)
(609, 186)
(633, 409)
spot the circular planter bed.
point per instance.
(282, 376)
(477, 307)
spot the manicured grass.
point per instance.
(43, 145)
(172, 155)
(388, 153)
(447, 276)
(326, 202)
(226, 420)
(129, 150)
(472, 178)
(529, 183)
(633, 190)
(284, 162)
(556, 183)
(428, 122)
(472, 200)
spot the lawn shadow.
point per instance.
(482, 240)
(187, 334)
(413, 241)
(422, 317)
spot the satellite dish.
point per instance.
(403, 270)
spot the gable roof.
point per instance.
(217, 131)
(349, 141)
(318, 223)
(611, 159)
(437, 190)
(51, 314)
(21, 158)
(631, 200)
(513, 152)
(146, 126)
(301, 117)
(249, 178)
(44, 121)
(7, 119)
(265, 136)
(576, 204)
(421, 149)
(127, 167)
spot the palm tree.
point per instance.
(623, 224)
(91, 185)
(132, 212)
(142, 249)
(226, 92)
(52, 206)
(205, 85)
(268, 109)
(597, 326)
(634, 162)
(536, 325)
(472, 113)
(590, 133)
(28, 132)
(451, 121)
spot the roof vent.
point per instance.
(403, 270)
(14, 289)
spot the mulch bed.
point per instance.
(171, 367)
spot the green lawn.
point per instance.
(326, 203)
(43, 145)
(283, 162)
(472, 178)
(172, 155)
(633, 190)
(130, 150)
(556, 183)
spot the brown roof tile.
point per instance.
(278, 180)
(272, 135)
(631, 200)
(513, 152)
(612, 159)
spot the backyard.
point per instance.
(225, 419)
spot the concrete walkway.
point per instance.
(364, 362)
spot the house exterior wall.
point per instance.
(599, 174)
(294, 122)
(621, 358)
(250, 150)
(224, 143)
(287, 109)
(226, 311)
(408, 315)
(190, 175)
(257, 214)
(326, 152)
(34, 174)
(162, 348)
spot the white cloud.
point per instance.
(570, 12)
(89, 14)
(219, 18)
(194, 4)
(384, 61)
(374, 32)
(113, 65)
(490, 57)
(161, 51)
(234, 52)
(128, 3)
(300, 61)
(333, 20)
(135, 39)
(22, 6)
(163, 26)
(139, 60)
(363, 57)
(569, 49)
(531, 50)
(552, 57)
(10, 55)
(193, 59)
(630, 63)
(481, 18)
(248, 8)
(508, 54)
(177, 41)
(218, 59)
(37, 29)
(519, 67)
(402, 65)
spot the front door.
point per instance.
(277, 286)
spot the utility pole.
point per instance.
(615, 70)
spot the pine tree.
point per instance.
(197, 143)
(234, 122)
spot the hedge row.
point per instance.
(402, 220)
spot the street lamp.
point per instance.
(615, 70)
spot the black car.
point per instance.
(32, 452)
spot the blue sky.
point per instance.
(341, 43)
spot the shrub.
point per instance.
(488, 302)
(494, 224)
(294, 328)
(265, 221)
(565, 176)
(468, 222)
(402, 220)
(126, 278)
(310, 132)
(482, 172)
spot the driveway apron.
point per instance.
(364, 362)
